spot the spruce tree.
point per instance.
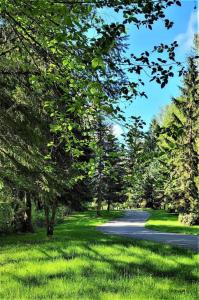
(178, 142)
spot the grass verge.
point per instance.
(80, 262)
(168, 222)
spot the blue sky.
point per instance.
(185, 20)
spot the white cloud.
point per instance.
(117, 130)
(185, 39)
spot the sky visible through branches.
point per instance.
(185, 20)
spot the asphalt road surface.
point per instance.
(132, 224)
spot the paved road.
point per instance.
(132, 225)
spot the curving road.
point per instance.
(132, 224)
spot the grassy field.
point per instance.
(82, 263)
(162, 221)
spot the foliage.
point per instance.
(108, 169)
(163, 162)
(144, 172)
(134, 162)
(58, 82)
(189, 219)
(178, 143)
(6, 215)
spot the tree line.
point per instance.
(164, 162)
(63, 73)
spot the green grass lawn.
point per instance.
(167, 222)
(82, 263)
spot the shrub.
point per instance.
(143, 204)
(38, 217)
(168, 207)
(62, 211)
(189, 219)
(39, 220)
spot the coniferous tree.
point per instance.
(179, 143)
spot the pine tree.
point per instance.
(135, 148)
(179, 143)
(189, 133)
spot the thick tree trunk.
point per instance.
(50, 229)
(109, 206)
(50, 213)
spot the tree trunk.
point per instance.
(100, 168)
(50, 229)
(50, 217)
(28, 213)
(109, 206)
(25, 217)
(98, 212)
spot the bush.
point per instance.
(62, 212)
(143, 204)
(189, 219)
(168, 207)
(6, 217)
(39, 220)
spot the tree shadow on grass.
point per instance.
(38, 281)
(67, 238)
(116, 270)
(146, 267)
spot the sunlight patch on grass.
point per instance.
(168, 222)
(80, 262)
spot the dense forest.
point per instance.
(63, 74)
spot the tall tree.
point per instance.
(64, 78)
(179, 142)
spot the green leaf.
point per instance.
(50, 144)
(70, 127)
(107, 109)
(94, 90)
(98, 62)
(68, 21)
(65, 62)
(1, 185)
